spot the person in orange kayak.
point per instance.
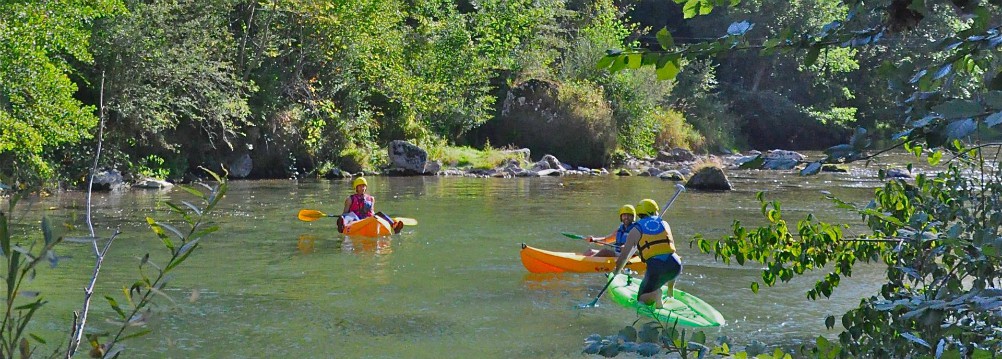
(616, 240)
(360, 205)
(652, 237)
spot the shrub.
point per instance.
(673, 131)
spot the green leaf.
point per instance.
(634, 61)
(705, 7)
(754, 287)
(193, 191)
(665, 39)
(605, 61)
(935, 157)
(114, 305)
(668, 71)
(690, 9)
(619, 64)
(698, 338)
(958, 109)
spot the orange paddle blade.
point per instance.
(310, 215)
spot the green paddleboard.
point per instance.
(686, 308)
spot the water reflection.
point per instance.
(378, 245)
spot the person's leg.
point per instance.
(660, 270)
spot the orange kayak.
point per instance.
(373, 226)
(543, 261)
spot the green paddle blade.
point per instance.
(572, 235)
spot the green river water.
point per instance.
(269, 285)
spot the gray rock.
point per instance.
(549, 172)
(785, 155)
(548, 162)
(676, 155)
(241, 167)
(411, 158)
(521, 153)
(709, 178)
(432, 167)
(152, 183)
(108, 180)
(780, 164)
(671, 175)
(452, 172)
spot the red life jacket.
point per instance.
(361, 205)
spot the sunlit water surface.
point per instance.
(269, 285)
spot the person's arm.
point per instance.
(347, 206)
(607, 239)
(631, 245)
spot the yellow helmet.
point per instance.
(359, 181)
(627, 209)
(648, 207)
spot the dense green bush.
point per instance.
(674, 131)
(571, 121)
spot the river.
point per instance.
(269, 285)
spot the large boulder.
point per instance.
(548, 162)
(709, 178)
(782, 160)
(241, 166)
(108, 180)
(411, 159)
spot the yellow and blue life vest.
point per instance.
(621, 234)
(655, 239)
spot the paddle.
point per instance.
(679, 188)
(572, 235)
(310, 215)
(578, 236)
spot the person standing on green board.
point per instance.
(360, 206)
(627, 215)
(652, 237)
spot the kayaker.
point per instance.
(652, 237)
(360, 205)
(627, 214)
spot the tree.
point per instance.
(38, 110)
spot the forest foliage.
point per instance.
(302, 87)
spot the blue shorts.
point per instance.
(660, 270)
